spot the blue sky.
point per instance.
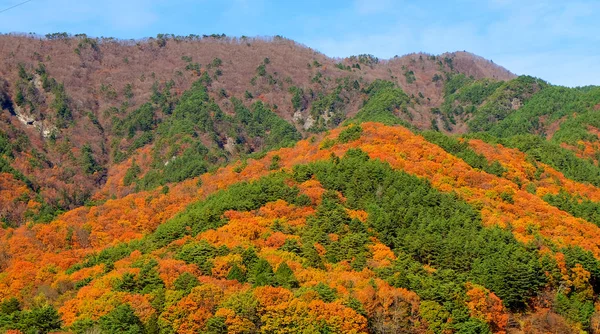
(558, 41)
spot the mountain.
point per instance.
(236, 185)
(75, 107)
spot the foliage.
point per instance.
(142, 119)
(435, 227)
(284, 276)
(264, 123)
(88, 162)
(328, 110)
(384, 105)
(204, 215)
(261, 273)
(132, 173)
(186, 282)
(575, 205)
(410, 76)
(505, 98)
(550, 105)
(198, 253)
(461, 149)
(554, 155)
(418, 232)
(146, 281)
(179, 152)
(351, 133)
(61, 105)
(43, 319)
(121, 320)
(463, 95)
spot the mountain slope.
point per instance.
(350, 207)
(214, 184)
(75, 107)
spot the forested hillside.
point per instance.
(236, 185)
(74, 108)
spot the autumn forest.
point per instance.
(215, 184)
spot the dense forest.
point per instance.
(208, 184)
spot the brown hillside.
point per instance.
(106, 79)
(140, 63)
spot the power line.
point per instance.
(17, 5)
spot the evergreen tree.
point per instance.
(126, 283)
(249, 257)
(10, 306)
(261, 274)
(216, 325)
(148, 278)
(236, 273)
(88, 163)
(82, 326)
(284, 276)
(121, 320)
(41, 320)
(185, 282)
(326, 292)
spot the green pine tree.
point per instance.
(236, 273)
(186, 282)
(121, 320)
(261, 274)
(285, 277)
